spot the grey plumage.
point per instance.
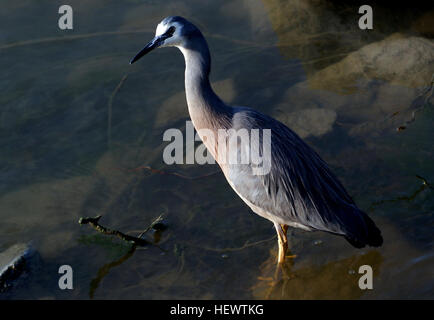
(300, 187)
(300, 190)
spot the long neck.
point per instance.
(204, 106)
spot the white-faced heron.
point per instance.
(299, 190)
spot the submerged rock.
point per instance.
(372, 90)
(309, 122)
(399, 60)
(322, 32)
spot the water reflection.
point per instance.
(333, 280)
(104, 270)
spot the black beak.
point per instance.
(155, 43)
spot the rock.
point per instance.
(14, 261)
(309, 122)
(322, 32)
(368, 86)
(399, 60)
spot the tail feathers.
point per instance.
(374, 234)
(370, 236)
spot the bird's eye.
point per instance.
(170, 31)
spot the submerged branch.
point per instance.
(69, 38)
(418, 104)
(425, 185)
(153, 225)
(247, 244)
(94, 222)
(105, 269)
(109, 111)
(144, 167)
(116, 33)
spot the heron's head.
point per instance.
(170, 32)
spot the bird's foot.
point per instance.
(283, 269)
(271, 285)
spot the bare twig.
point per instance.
(247, 244)
(145, 167)
(94, 222)
(425, 185)
(109, 106)
(69, 38)
(157, 220)
(418, 105)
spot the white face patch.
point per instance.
(174, 40)
(161, 28)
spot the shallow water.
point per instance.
(77, 125)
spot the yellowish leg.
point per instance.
(283, 243)
(282, 272)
